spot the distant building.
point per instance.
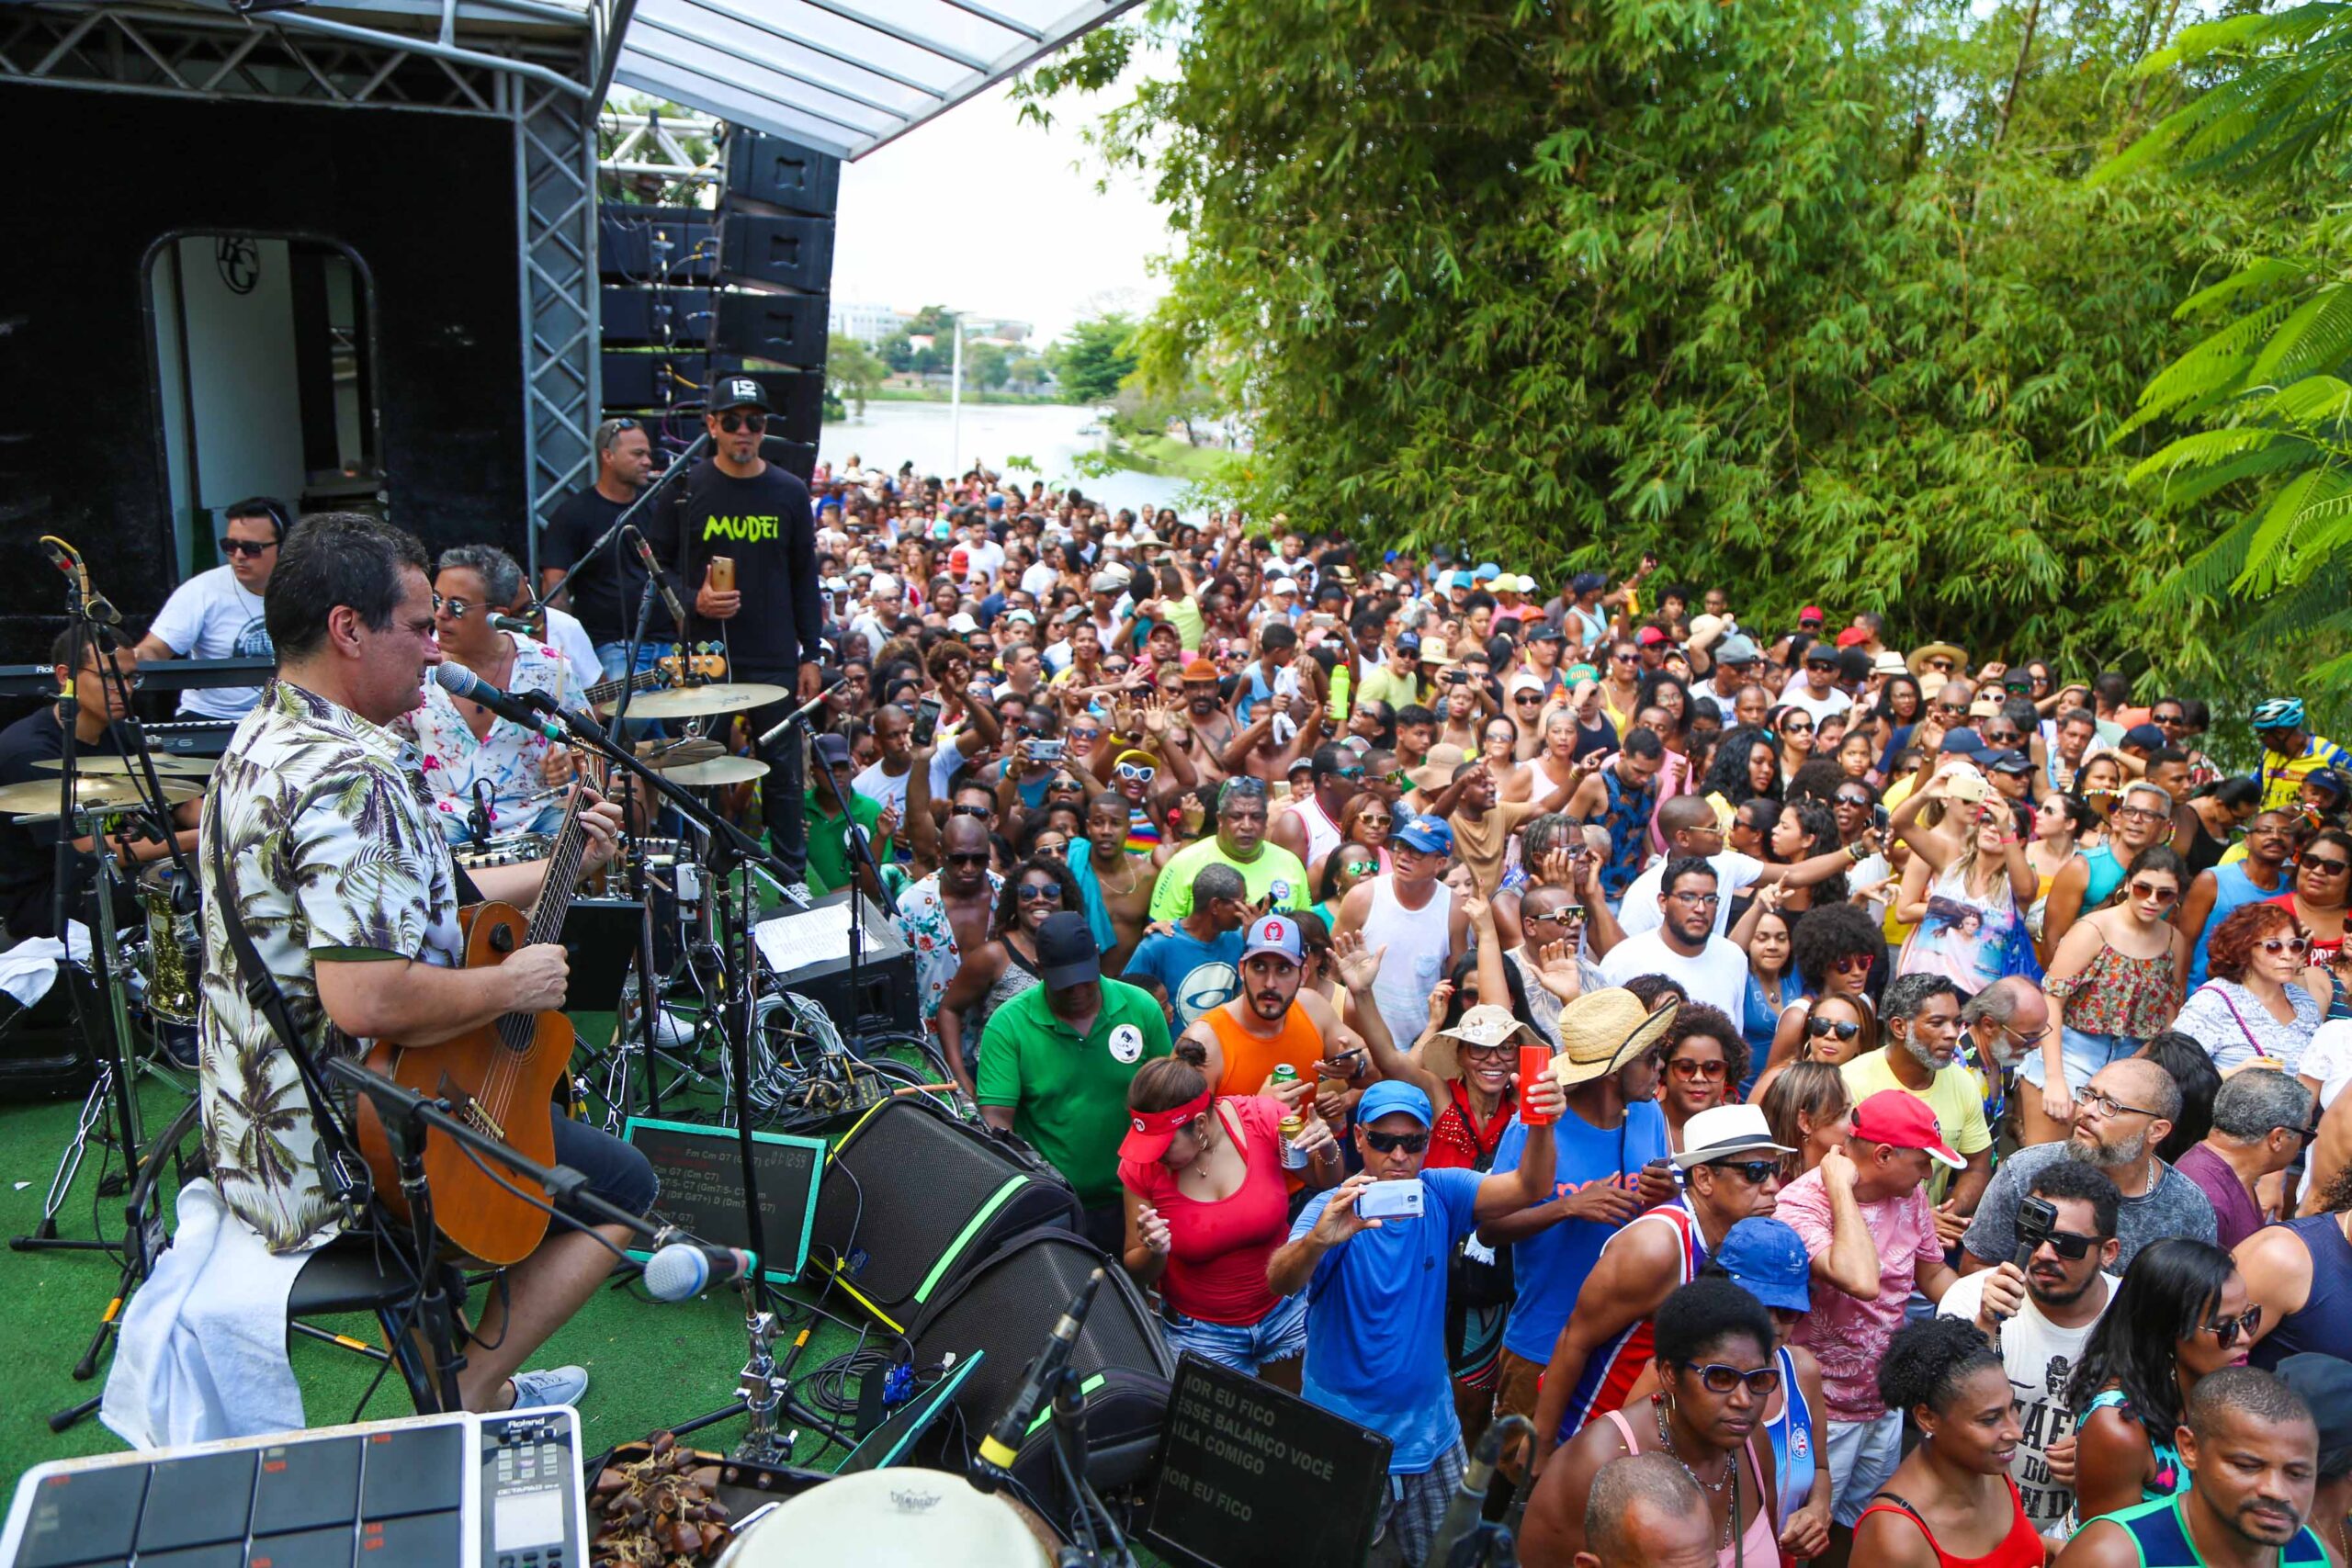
(996, 329)
(867, 323)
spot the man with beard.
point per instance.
(2040, 1317)
(2120, 1118)
(1920, 1014)
(1112, 880)
(948, 911)
(1272, 1022)
(2218, 891)
(1685, 948)
(1276, 878)
(2252, 1451)
(1197, 962)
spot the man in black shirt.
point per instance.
(603, 594)
(737, 505)
(28, 852)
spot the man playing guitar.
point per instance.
(344, 886)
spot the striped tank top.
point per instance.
(1613, 1368)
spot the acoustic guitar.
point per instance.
(500, 1078)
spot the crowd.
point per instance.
(1930, 1113)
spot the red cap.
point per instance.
(1810, 613)
(1150, 1132)
(959, 560)
(1901, 1120)
(1852, 637)
(1649, 637)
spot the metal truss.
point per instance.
(555, 163)
(648, 143)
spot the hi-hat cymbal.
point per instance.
(693, 702)
(166, 766)
(718, 771)
(678, 753)
(96, 792)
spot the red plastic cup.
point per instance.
(1534, 1062)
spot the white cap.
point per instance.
(1282, 586)
(962, 621)
(884, 584)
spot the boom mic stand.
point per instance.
(863, 849)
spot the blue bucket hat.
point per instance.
(1765, 1259)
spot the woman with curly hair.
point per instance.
(1704, 1059)
(1951, 1499)
(1835, 948)
(1746, 765)
(2253, 1005)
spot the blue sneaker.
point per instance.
(548, 1387)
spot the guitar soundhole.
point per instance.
(502, 939)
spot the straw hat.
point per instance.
(1437, 770)
(1485, 1025)
(1917, 660)
(1601, 1030)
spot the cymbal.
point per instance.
(693, 702)
(37, 797)
(718, 771)
(166, 766)
(678, 753)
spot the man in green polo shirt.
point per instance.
(1275, 877)
(1056, 1067)
(832, 862)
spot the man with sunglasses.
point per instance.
(947, 912)
(2125, 1111)
(1882, 1182)
(217, 614)
(2040, 1317)
(1376, 1294)
(1309, 828)
(2263, 1119)
(737, 505)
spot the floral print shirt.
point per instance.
(922, 920)
(507, 758)
(330, 842)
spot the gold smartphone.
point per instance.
(722, 573)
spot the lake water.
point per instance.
(1048, 434)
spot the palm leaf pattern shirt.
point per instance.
(508, 758)
(330, 840)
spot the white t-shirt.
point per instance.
(2327, 1060)
(2041, 1359)
(983, 561)
(1735, 874)
(579, 649)
(876, 785)
(1039, 580)
(1836, 702)
(213, 616)
(1717, 976)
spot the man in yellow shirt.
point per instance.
(2291, 753)
(1920, 1015)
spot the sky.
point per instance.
(918, 221)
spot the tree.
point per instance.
(1801, 294)
(852, 373)
(2268, 395)
(987, 365)
(1092, 357)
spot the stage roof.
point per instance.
(844, 76)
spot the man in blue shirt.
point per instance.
(1375, 1293)
(1198, 964)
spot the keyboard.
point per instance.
(191, 737)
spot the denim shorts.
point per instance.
(2082, 1053)
(1279, 1336)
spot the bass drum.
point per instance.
(896, 1519)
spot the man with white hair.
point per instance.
(2262, 1119)
(878, 623)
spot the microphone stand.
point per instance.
(678, 465)
(861, 850)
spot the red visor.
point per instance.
(1149, 1132)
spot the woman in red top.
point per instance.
(1950, 1503)
(1208, 1204)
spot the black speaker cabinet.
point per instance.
(781, 174)
(670, 316)
(786, 328)
(783, 253)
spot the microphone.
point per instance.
(1469, 1499)
(660, 578)
(685, 1269)
(1002, 1444)
(514, 624)
(68, 560)
(797, 715)
(460, 681)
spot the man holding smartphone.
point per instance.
(741, 531)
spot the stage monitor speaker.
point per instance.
(655, 244)
(1007, 1306)
(781, 174)
(912, 1197)
(794, 457)
(781, 252)
(679, 316)
(789, 329)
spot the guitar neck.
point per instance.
(563, 874)
(605, 690)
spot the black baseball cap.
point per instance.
(1821, 653)
(738, 393)
(1067, 953)
(832, 749)
(2008, 760)
(1547, 631)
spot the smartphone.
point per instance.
(1346, 1064)
(722, 573)
(1391, 1201)
(1878, 817)
(926, 720)
(1969, 787)
(1457, 677)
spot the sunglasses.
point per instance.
(1086, 734)
(1823, 1028)
(980, 811)
(1717, 1378)
(2137, 813)
(457, 609)
(1684, 1068)
(1952, 710)
(1624, 659)
(1852, 962)
(1796, 729)
(1360, 868)
(1563, 917)
(2293, 944)
(1392, 1143)
(731, 422)
(1375, 820)
(2230, 1330)
(1139, 772)
(1855, 800)
(2149, 892)
(1526, 697)
(2071, 1244)
(1041, 893)
(1352, 772)
(1755, 1172)
(230, 547)
(979, 857)
(2327, 867)
(1489, 1053)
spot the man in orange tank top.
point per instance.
(1272, 1022)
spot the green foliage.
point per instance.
(986, 366)
(1809, 296)
(2264, 396)
(852, 373)
(1093, 357)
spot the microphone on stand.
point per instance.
(460, 681)
(514, 624)
(797, 715)
(68, 559)
(1463, 1509)
(660, 578)
(1002, 1445)
(684, 1268)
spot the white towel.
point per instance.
(29, 968)
(201, 1352)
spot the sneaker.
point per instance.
(550, 1386)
